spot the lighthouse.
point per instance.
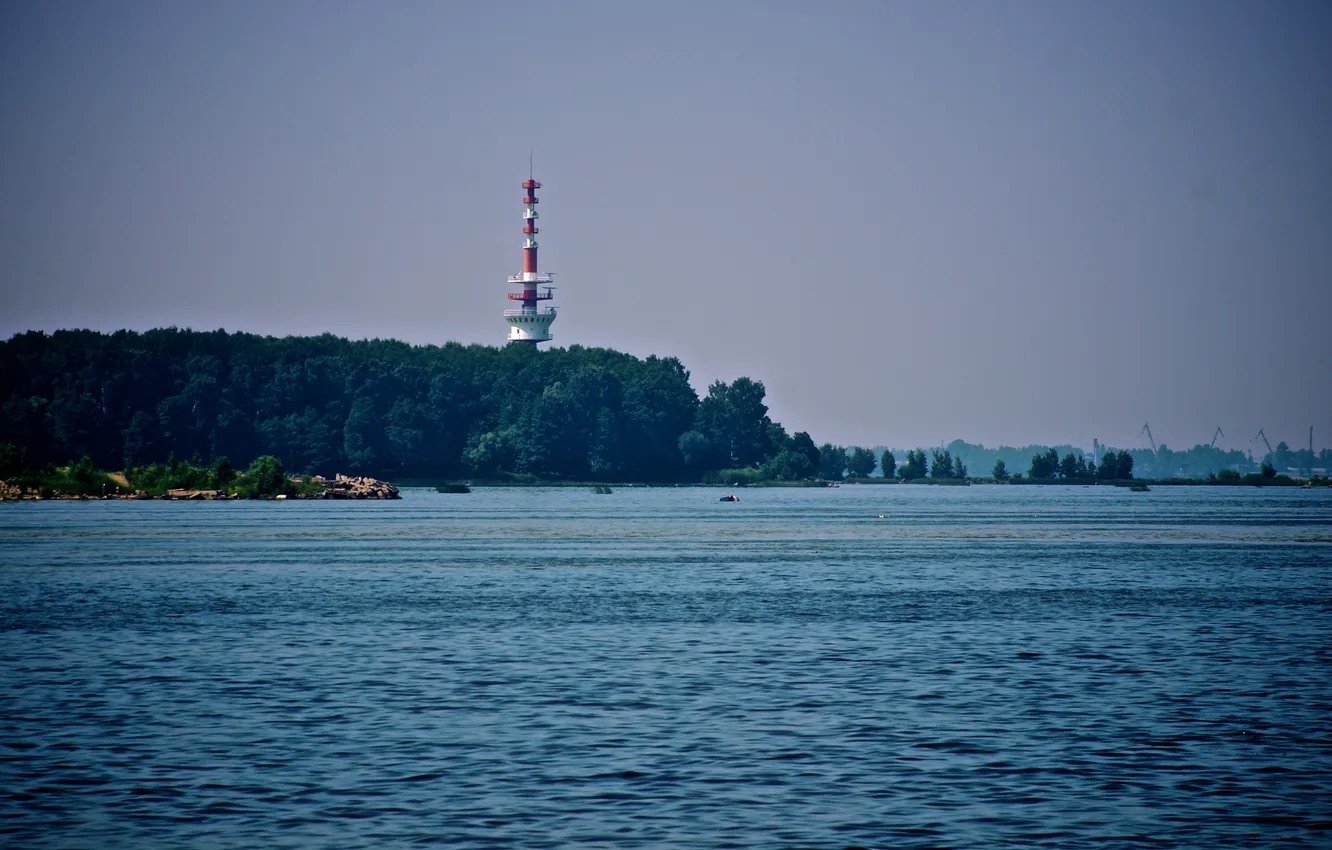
(530, 323)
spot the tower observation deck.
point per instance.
(530, 323)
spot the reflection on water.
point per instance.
(1067, 667)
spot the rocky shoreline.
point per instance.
(339, 487)
(348, 487)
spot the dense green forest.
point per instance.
(384, 408)
(376, 407)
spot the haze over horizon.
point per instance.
(1034, 222)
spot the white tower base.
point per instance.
(529, 325)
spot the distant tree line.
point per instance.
(324, 404)
(838, 462)
(1201, 461)
(1283, 459)
(1075, 465)
(377, 407)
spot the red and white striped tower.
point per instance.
(530, 324)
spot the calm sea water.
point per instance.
(983, 666)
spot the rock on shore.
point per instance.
(348, 487)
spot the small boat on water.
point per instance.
(729, 497)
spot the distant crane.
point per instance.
(1311, 454)
(1147, 429)
(1219, 433)
(1269, 445)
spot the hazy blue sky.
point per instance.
(1002, 221)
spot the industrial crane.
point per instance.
(1147, 429)
(1264, 436)
(1219, 433)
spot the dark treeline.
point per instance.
(1114, 466)
(1201, 461)
(378, 407)
(387, 409)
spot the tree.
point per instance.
(735, 420)
(405, 428)
(695, 449)
(1068, 467)
(84, 475)
(1000, 471)
(959, 468)
(492, 451)
(832, 462)
(566, 417)
(777, 440)
(915, 466)
(942, 467)
(362, 431)
(140, 440)
(888, 464)
(788, 465)
(223, 472)
(1123, 465)
(803, 443)
(656, 407)
(265, 477)
(1109, 465)
(1045, 466)
(860, 462)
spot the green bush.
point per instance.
(78, 479)
(176, 475)
(265, 477)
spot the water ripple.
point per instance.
(1035, 667)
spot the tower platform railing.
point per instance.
(548, 311)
